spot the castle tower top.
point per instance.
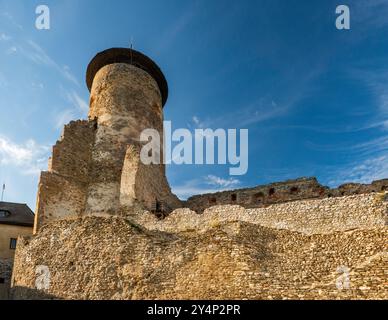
(129, 56)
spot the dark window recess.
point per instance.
(294, 190)
(2, 280)
(383, 188)
(258, 197)
(212, 200)
(234, 197)
(12, 243)
(4, 213)
(157, 207)
(271, 191)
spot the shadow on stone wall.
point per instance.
(24, 293)
(4, 292)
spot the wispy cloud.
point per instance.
(376, 82)
(176, 28)
(11, 50)
(196, 120)
(221, 182)
(190, 188)
(369, 159)
(32, 51)
(77, 108)
(196, 123)
(371, 13)
(4, 37)
(64, 117)
(30, 156)
(366, 171)
(360, 149)
(11, 19)
(39, 56)
(271, 106)
(207, 184)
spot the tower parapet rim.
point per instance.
(129, 56)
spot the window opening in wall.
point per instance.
(12, 243)
(294, 190)
(258, 197)
(4, 213)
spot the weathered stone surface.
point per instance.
(364, 211)
(112, 258)
(58, 197)
(5, 275)
(62, 189)
(280, 192)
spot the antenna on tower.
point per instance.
(2, 192)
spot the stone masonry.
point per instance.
(280, 192)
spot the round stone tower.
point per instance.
(127, 95)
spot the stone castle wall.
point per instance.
(279, 192)
(112, 258)
(316, 216)
(62, 190)
(5, 276)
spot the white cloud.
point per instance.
(366, 171)
(38, 55)
(376, 82)
(4, 37)
(11, 50)
(68, 75)
(37, 85)
(12, 20)
(198, 123)
(30, 157)
(220, 182)
(190, 189)
(201, 186)
(196, 120)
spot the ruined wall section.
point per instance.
(115, 259)
(280, 192)
(71, 155)
(62, 189)
(317, 216)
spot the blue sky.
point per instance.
(314, 98)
